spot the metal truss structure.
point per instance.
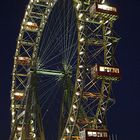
(23, 114)
(91, 97)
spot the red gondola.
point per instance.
(105, 72)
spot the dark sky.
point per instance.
(124, 117)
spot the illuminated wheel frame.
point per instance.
(89, 93)
(35, 18)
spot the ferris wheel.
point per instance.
(63, 71)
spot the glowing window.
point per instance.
(89, 134)
(94, 134)
(116, 70)
(104, 134)
(100, 134)
(102, 68)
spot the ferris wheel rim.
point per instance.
(33, 21)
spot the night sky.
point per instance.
(124, 116)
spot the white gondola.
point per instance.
(94, 134)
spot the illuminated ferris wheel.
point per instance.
(64, 67)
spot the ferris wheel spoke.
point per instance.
(69, 39)
(59, 54)
(68, 50)
(43, 85)
(44, 94)
(47, 82)
(52, 30)
(46, 57)
(57, 64)
(48, 108)
(56, 29)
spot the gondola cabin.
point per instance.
(98, 10)
(23, 60)
(105, 72)
(31, 26)
(94, 134)
(18, 95)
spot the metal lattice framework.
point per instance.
(91, 97)
(32, 27)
